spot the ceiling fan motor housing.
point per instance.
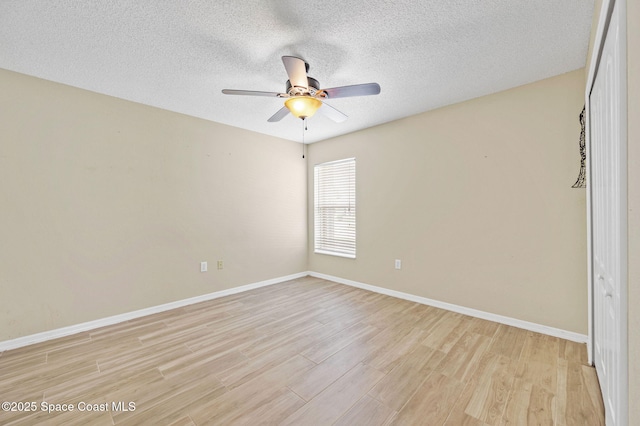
(313, 88)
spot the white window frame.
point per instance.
(334, 208)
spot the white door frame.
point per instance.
(603, 24)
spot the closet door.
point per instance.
(608, 212)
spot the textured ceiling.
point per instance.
(179, 54)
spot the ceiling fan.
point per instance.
(304, 96)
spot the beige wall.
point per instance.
(108, 206)
(633, 100)
(476, 201)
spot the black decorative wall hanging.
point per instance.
(582, 182)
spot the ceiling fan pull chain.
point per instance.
(304, 127)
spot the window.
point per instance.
(335, 208)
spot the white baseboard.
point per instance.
(91, 325)
(526, 325)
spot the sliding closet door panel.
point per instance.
(608, 197)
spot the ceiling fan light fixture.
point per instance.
(304, 96)
(302, 106)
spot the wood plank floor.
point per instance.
(304, 352)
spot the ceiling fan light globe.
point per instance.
(302, 106)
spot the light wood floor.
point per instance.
(306, 352)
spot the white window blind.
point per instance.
(335, 208)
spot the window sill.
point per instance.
(332, 253)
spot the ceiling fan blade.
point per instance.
(282, 113)
(354, 90)
(332, 113)
(253, 93)
(296, 70)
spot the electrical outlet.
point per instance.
(203, 266)
(220, 264)
(398, 264)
